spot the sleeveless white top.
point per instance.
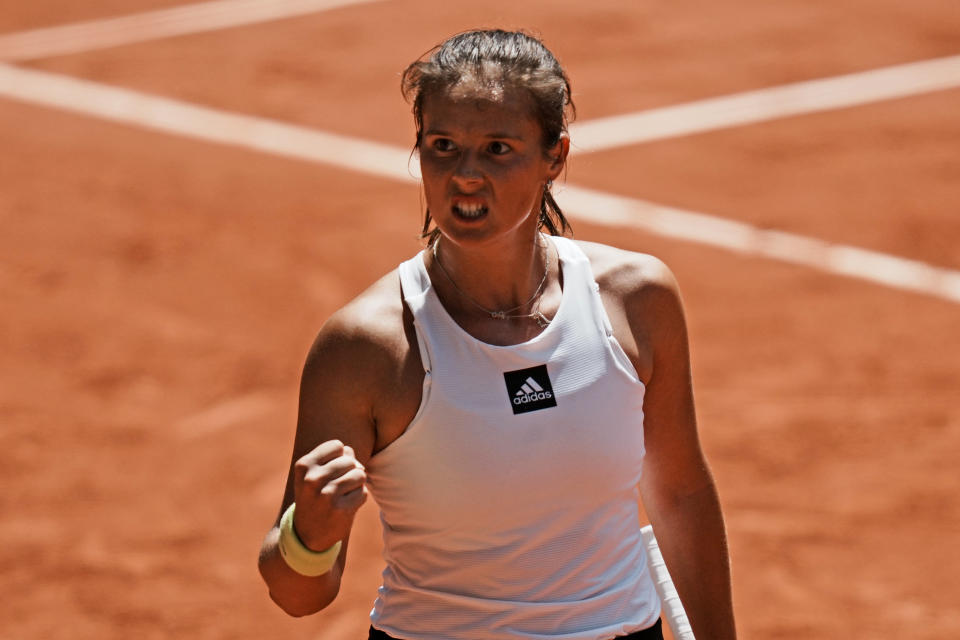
(510, 504)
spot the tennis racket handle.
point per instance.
(672, 607)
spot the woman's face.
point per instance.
(483, 163)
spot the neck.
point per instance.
(492, 279)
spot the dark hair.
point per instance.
(505, 59)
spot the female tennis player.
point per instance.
(507, 396)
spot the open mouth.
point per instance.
(469, 211)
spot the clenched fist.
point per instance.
(329, 487)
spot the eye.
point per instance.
(443, 144)
(498, 148)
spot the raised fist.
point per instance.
(329, 487)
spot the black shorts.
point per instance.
(653, 633)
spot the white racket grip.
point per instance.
(672, 607)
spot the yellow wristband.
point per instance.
(298, 556)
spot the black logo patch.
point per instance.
(530, 389)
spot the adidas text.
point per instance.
(532, 397)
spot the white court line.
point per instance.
(151, 25)
(603, 133)
(595, 207)
(213, 125)
(766, 104)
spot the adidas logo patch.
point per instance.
(529, 389)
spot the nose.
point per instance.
(467, 172)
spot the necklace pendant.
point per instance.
(541, 320)
(498, 315)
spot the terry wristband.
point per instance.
(298, 557)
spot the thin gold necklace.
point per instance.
(502, 314)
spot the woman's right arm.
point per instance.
(335, 438)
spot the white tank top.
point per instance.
(510, 503)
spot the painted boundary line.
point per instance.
(151, 25)
(595, 207)
(203, 123)
(760, 105)
(767, 104)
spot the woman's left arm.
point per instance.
(677, 488)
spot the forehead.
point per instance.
(488, 107)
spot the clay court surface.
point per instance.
(159, 294)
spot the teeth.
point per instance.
(470, 210)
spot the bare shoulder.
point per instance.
(362, 377)
(366, 332)
(628, 274)
(642, 300)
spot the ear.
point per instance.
(558, 156)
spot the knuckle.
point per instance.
(354, 476)
(328, 490)
(341, 462)
(314, 475)
(330, 448)
(348, 481)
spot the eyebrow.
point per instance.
(500, 135)
(511, 136)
